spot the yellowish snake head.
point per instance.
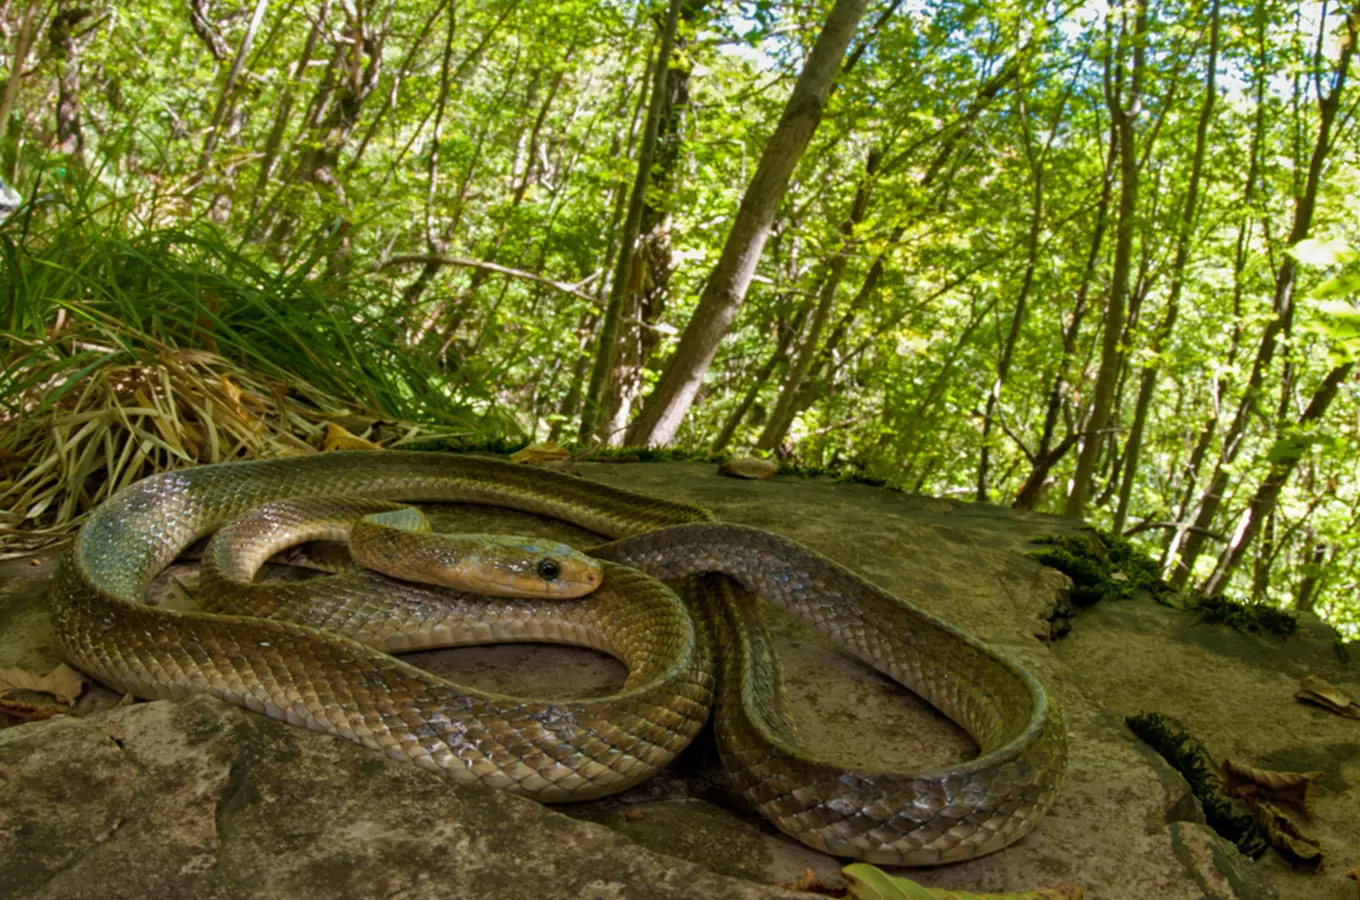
(496, 564)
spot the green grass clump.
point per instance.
(1188, 757)
(128, 349)
(1106, 568)
(1249, 617)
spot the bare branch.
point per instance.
(425, 259)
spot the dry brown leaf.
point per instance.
(540, 453)
(63, 682)
(1292, 788)
(809, 883)
(1330, 697)
(1296, 846)
(338, 438)
(25, 697)
(748, 468)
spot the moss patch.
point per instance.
(1188, 757)
(1102, 566)
(1250, 617)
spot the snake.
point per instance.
(704, 649)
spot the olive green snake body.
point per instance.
(297, 670)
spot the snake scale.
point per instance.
(562, 750)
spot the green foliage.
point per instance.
(1188, 757)
(1336, 298)
(147, 291)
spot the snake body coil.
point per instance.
(296, 669)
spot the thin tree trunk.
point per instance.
(1209, 430)
(1124, 112)
(358, 64)
(1305, 595)
(944, 160)
(727, 284)
(63, 41)
(779, 355)
(572, 402)
(1328, 106)
(623, 283)
(285, 110)
(1003, 365)
(1267, 495)
(1047, 456)
(1148, 383)
(784, 409)
(23, 43)
(229, 86)
(198, 20)
(639, 338)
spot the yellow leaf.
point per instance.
(338, 438)
(540, 453)
(872, 883)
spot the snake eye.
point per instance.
(548, 570)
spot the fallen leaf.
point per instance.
(540, 453)
(872, 883)
(338, 438)
(748, 468)
(233, 391)
(809, 883)
(63, 682)
(634, 815)
(1330, 697)
(25, 697)
(1292, 788)
(1296, 846)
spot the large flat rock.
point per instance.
(200, 799)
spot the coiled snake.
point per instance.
(565, 750)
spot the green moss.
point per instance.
(1250, 617)
(1103, 567)
(1188, 757)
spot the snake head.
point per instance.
(495, 564)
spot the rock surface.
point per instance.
(200, 799)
